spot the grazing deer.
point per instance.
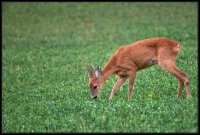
(129, 59)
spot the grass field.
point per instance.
(46, 51)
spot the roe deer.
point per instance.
(129, 59)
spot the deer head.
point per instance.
(95, 84)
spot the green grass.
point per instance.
(47, 48)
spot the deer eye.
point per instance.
(95, 86)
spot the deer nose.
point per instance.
(95, 97)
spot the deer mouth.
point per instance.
(95, 97)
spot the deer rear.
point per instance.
(129, 59)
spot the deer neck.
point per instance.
(107, 71)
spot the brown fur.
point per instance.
(129, 59)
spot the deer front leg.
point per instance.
(132, 76)
(117, 85)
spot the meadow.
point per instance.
(46, 51)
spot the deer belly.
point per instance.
(148, 63)
(122, 73)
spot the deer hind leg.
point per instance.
(182, 77)
(185, 82)
(117, 85)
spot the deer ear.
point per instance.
(98, 72)
(91, 72)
